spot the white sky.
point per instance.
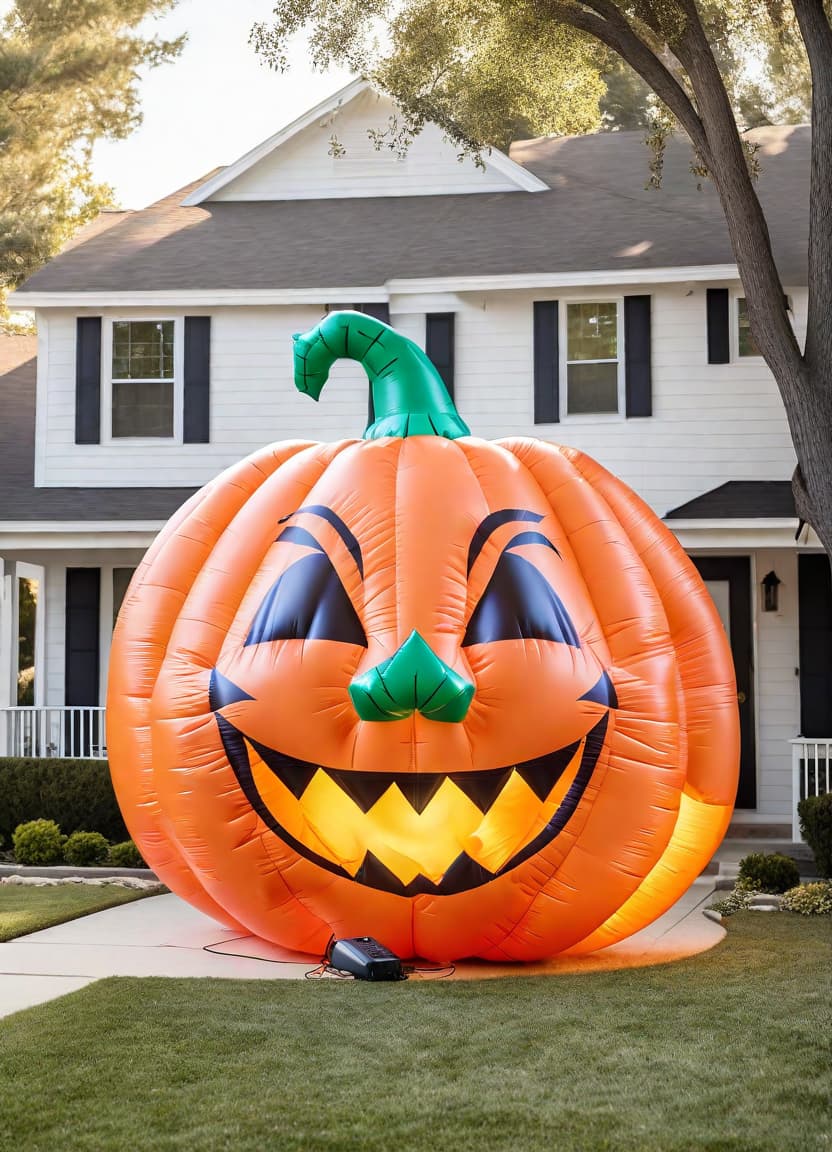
(211, 105)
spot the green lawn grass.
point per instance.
(26, 908)
(726, 1051)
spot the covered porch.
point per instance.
(60, 594)
(66, 556)
(770, 581)
(61, 586)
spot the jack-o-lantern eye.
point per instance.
(519, 603)
(307, 602)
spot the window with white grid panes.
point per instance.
(143, 378)
(593, 357)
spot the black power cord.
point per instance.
(324, 969)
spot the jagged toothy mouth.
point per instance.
(272, 780)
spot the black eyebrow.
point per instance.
(531, 538)
(294, 534)
(491, 523)
(337, 523)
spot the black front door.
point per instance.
(83, 593)
(728, 579)
(815, 607)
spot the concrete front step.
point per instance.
(730, 852)
(739, 830)
(737, 848)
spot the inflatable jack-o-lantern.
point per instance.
(468, 698)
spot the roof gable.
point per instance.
(297, 163)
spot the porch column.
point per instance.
(7, 649)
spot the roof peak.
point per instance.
(506, 174)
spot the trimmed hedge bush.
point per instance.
(38, 842)
(86, 848)
(816, 829)
(769, 872)
(76, 794)
(126, 855)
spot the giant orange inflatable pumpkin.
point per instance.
(469, 698)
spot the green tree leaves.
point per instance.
(68, 76)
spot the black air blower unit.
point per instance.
(365, 959)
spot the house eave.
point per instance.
(376, 293)
(742, 535)
(56, 535)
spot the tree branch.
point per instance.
(817, 36)
(747, 225)
(607, 24)
(713, 133)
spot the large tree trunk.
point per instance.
(811, 429)
(804, 379)
(813, 440)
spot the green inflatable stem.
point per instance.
(409, 395)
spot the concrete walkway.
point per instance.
(163, 936)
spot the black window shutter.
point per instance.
(439, 345)
(815, 615)
(88, 380)
(83, 593)
(381, 312)
(546, 357)
(719, 344)
(196, 423)
(638, 385)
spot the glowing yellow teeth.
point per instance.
(325, 819)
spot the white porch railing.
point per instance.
(811, 773)
(78, 733)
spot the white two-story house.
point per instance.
(558, 296)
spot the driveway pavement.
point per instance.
(164, 936)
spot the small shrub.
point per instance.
(737, 900)
(743, 884)
(816, 829)
(83, 849)
(809, 899)
(126, 855)
(769, 871)
(38, 842)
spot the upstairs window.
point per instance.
(593, 363)
(143, 379)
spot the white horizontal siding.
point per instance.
(253, 401)
(302, 167)
(711, 423)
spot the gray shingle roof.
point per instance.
(19, 499)
(598, 215)
(740, 500)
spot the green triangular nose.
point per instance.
(413, 679)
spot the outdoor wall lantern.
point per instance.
(770, 585)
